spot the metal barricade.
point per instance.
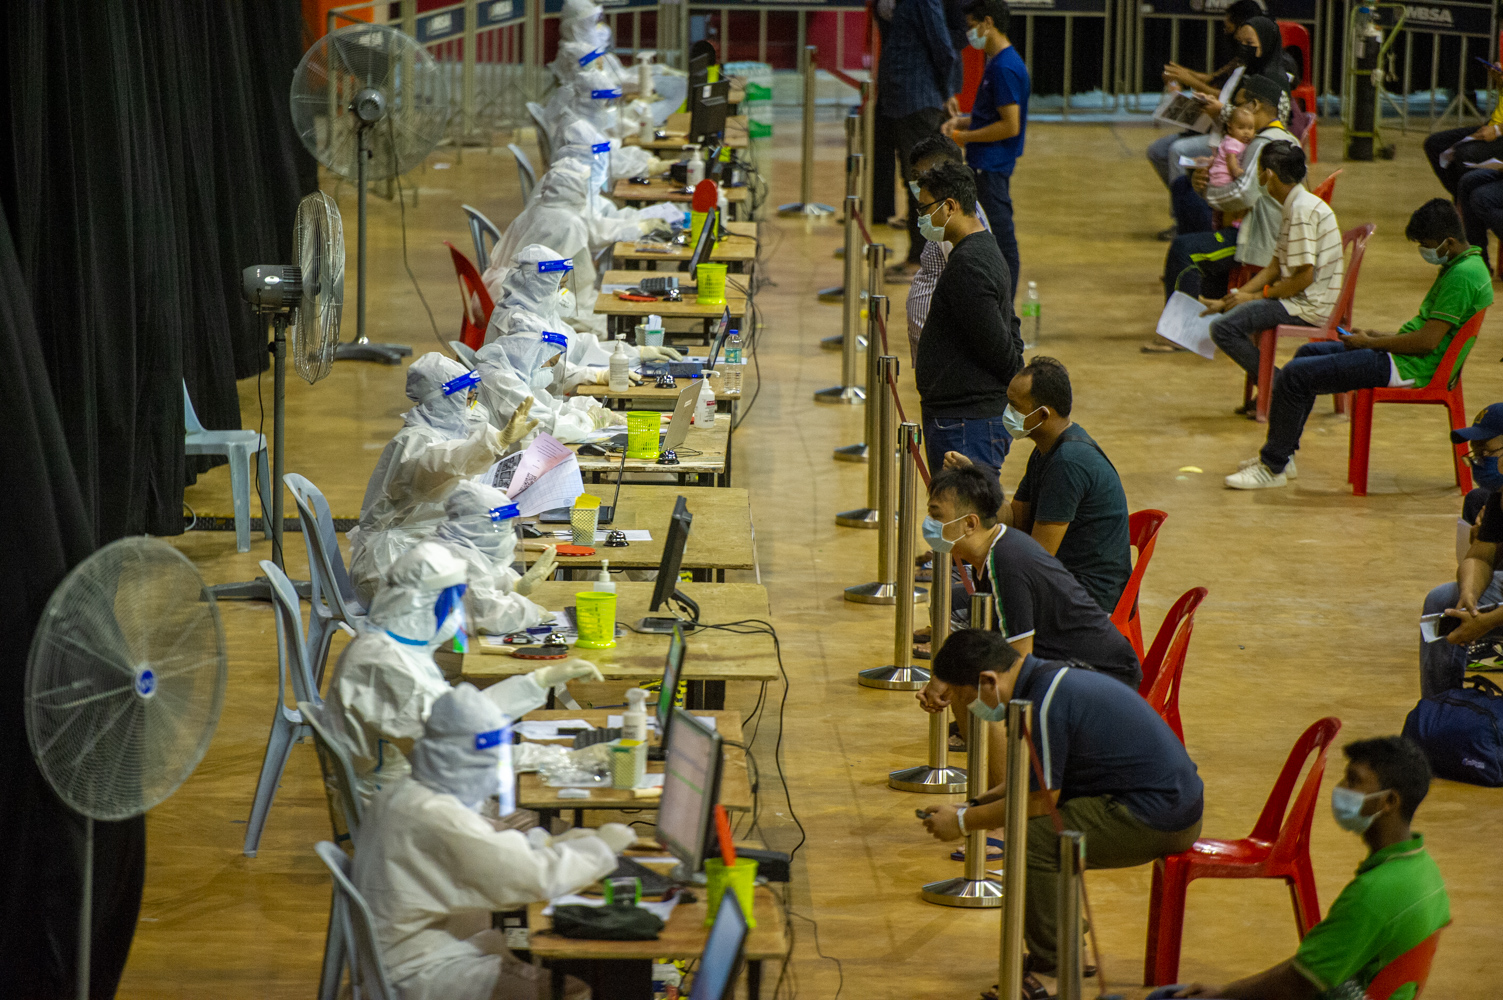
(901, 674)
(806, 203)
(876, 312)
(1015, 851)
(937, 775)
(866, 517)
(884, 589)
(848, 391)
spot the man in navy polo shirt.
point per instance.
(1116, 772)
(993, 132)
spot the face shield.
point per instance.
(483, 518)
(427, 379)
(420, 602)
(465, 750)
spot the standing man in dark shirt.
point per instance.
(913, 86)
(969, 349)
(1115, 771)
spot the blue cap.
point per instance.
(590, 57)
(505, 512)
(549, 337)
(1489, 424)
(606, 93)
(486, 740)
(461, 383)
(601, 147)
(545, 266)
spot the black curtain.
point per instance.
(146, 157)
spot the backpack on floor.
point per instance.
(1461, 732)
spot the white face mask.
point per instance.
(1432, 256)
(977, 38)
(929, 230)
(541, 379)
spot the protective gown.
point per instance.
(479, 529)
(433, 870)
(584, 144)
(513, 368)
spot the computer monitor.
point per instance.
(721, 960)
(691, 787)
(718, 341)
(666, 588)
(699, 68)
(673, 666)
(708, 105)
(704, 246)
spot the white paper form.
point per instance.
(1182, 323)
(1180, 110)
(545, 452)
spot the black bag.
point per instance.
(612, 922)
(1461, 732)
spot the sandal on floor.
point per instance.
(1161, 347)
(1032, 990)
(925, 575)
(921, 651)
(990, 843)
(957, 738)
(921, 634)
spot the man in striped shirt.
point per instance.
(1302, 282)
(929, 153)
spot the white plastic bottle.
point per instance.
(634, 721)
(620, 368)
(704, 411)
(603, 582)
(696, 165)
(733, 347)
(1032, 307)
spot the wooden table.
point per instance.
(659, 189)
(737, 132)
(622, 970)
(710, 467)
(622, 316)
(738, 251)
(649, 396)
(713, 656)
(735, 781)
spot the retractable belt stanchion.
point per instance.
(854, 169)
(1015, 853)
(883, 591)
(901, 674)
(973, 889)
(876, 306)
(1072, 863)
(848, 391)
(867, 517)
(806, 203)
(937, 775)
(868, 144)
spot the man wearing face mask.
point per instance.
(386, 680)
(1397, 900)
(927, 155)
(1115, 771)
(433, 870)
(1039, 606)
(970, 348)
(1368, 360)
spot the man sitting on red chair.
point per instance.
(1367, 360)
(1397, 900)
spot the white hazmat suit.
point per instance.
(515, 368)
(433, 870)
(386, 680)
(480, 529)
(584, 144)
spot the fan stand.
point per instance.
(86, 913)
(362, 348)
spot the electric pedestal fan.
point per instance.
(304, 300)
(369, 102)
(124, 685)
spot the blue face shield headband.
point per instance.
(505, 512)
(606, 94)
(549, 266)
(590, 57)
(600, 147)
(484, 741)
(462, 383)
(450, 601)
(556, 339)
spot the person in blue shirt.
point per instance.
(994, 130)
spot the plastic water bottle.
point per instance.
(620, 368)
(1032, 307)
(733, 348)
(704, 411)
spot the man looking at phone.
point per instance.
(1367, 360)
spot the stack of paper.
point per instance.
(544, 477)
(1182, 323)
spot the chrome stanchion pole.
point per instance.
(876, 302)
(868, 144)
(884, 590)
(853, 169)
(806, 203)
(1072, 864)
(866, 517)
(848, 391)
(901, 674)
(1015, 853)
(973, 889)
(937, 775)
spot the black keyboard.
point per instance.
(653, 884)
(590, 737)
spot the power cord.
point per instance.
(402, 208)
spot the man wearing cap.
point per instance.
(1368, 360)
(1479, 584)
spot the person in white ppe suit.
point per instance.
(432, 869)
(480, 528)
(584, 144)
(386, 680)
(441, 442)
(522, 367)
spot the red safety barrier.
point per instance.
(866, 237)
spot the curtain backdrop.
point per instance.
(146, 157)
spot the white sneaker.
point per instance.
(1290, 472)
(1256, 477)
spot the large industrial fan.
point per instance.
(124, 685)
(369, 102)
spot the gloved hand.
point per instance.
(540, 570)
(519, 426)
(657, 166)
(617, 836)
(668, 211)
(654, 227)
(600, 376)
(538, 838)
(564, 671)
(601, 417)
(651, 353)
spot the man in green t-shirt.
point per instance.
(1396, 901)
(1367, 360)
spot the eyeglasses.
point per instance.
(937, 201)
(1479, 454)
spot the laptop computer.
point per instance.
(678, 424)
(690, 367)
(560, 515)
(724, 949)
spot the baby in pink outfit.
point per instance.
(1226, 164)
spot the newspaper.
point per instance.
(1179, 110)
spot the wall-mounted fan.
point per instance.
(369, 102)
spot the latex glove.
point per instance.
(600, 376)
(617, 836)
(635, 378)
(601, 417)
(651, 353)
(657, 166)
(564, 671)
(668, 211)
(538, 838)
(519, 426)
(654, 227)
(540, 570)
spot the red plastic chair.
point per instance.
(1279, 847)
(1326, 188)
(1143, 530)
(1165, 662)
(1341, 316)
(1411, 967)
(1294, 36)
(477, 301)
(1444, 389)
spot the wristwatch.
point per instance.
(960, 821)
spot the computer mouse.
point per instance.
(592, 449)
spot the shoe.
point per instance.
(1167, 235)
(1290, 472)
(1256, 477)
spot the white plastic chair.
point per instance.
(352, 916)
(526, 176)
(464, 354)
(344, 818)
(480, 229)
(331, 596)
(545, 148)
(287, 724)
(240, 447)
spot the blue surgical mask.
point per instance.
(913, 188)
(1485, 472)
(1432, 256)
(934, 533)
(1346, 807)
(976, 37)
(929, 230)
(1014, 421)
(985, 712)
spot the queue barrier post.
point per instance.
(848, 391)
(854, 168)
(937, 776)
(1015, 851)
(1071, 964)
(806, 205)
(876, 305)
(884, 589)
(867, 517)
(901, 674)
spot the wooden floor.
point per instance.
(1313, 594)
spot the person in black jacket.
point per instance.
(970, 347)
